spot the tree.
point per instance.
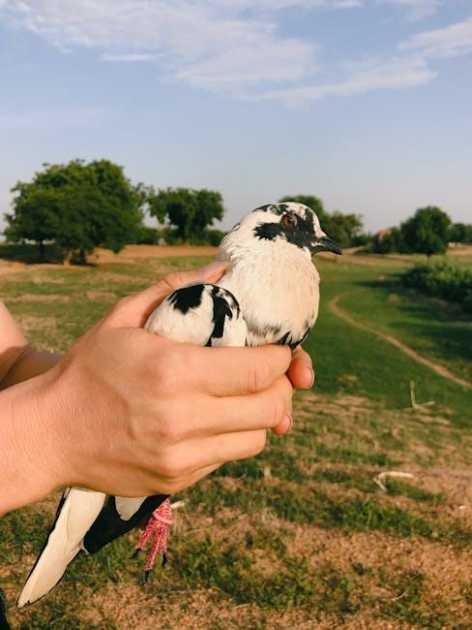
(35, 218)
(388, 241)
(190, 211)
(343, 228)
(427, 232)
(460, 233)
(79, 206)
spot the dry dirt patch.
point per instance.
(40, 299)
(131, 252)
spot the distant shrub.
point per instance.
(444, 280)
(460, 233)
(208, 237)
(388, 242)
(214, 237)
(146, 235)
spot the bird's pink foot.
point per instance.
(157, 531)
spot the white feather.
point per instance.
(275, 283)
(128, 506)
(79, 511)
(196, 325)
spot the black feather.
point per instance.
(300, 234)
(186, 298)
(225, 305)
(109, 525)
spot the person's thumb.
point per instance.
(134, 310)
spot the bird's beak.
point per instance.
(325, 244)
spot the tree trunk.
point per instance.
(42, 250)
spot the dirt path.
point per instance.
(432, 365)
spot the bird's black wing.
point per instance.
(109, 525)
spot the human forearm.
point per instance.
(28, 364)
(18, 360)
(30, 463)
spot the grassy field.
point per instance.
(307, 535)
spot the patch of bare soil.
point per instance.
(10, 267)
(40, 299)
(460, 250)
(132, 606)
(441, 370)
(42, 324)
(131, 252)
(100, 296)
(366, 260)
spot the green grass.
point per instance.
(300, 535)
(373, 367)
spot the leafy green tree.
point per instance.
(77, 205)
(427, 232)
(36, 216)
(388, 242)
(460, 233)
(343, 228)
(190, 211)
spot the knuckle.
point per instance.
(257, 377)
(169, 431)
(170, 469)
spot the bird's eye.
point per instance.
(288, 220)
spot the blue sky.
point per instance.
(365, 103)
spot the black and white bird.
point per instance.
(269, 295)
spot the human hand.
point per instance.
(137, 414)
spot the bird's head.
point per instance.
(291, 223)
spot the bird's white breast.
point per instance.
(277, 289)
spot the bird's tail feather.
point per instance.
(75, 515)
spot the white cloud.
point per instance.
(417, 9)
(277, 5)
(127, 57)
(232, 46)
(451, 41)
(201, 43)
(365, 77)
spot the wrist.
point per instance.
(31, 442)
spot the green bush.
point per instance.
(443, 280)
(214, 237)
(208, 237)
(146, 235)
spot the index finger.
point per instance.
(237, 371)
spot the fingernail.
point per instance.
(310, 377)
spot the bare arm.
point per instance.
(18, 360)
